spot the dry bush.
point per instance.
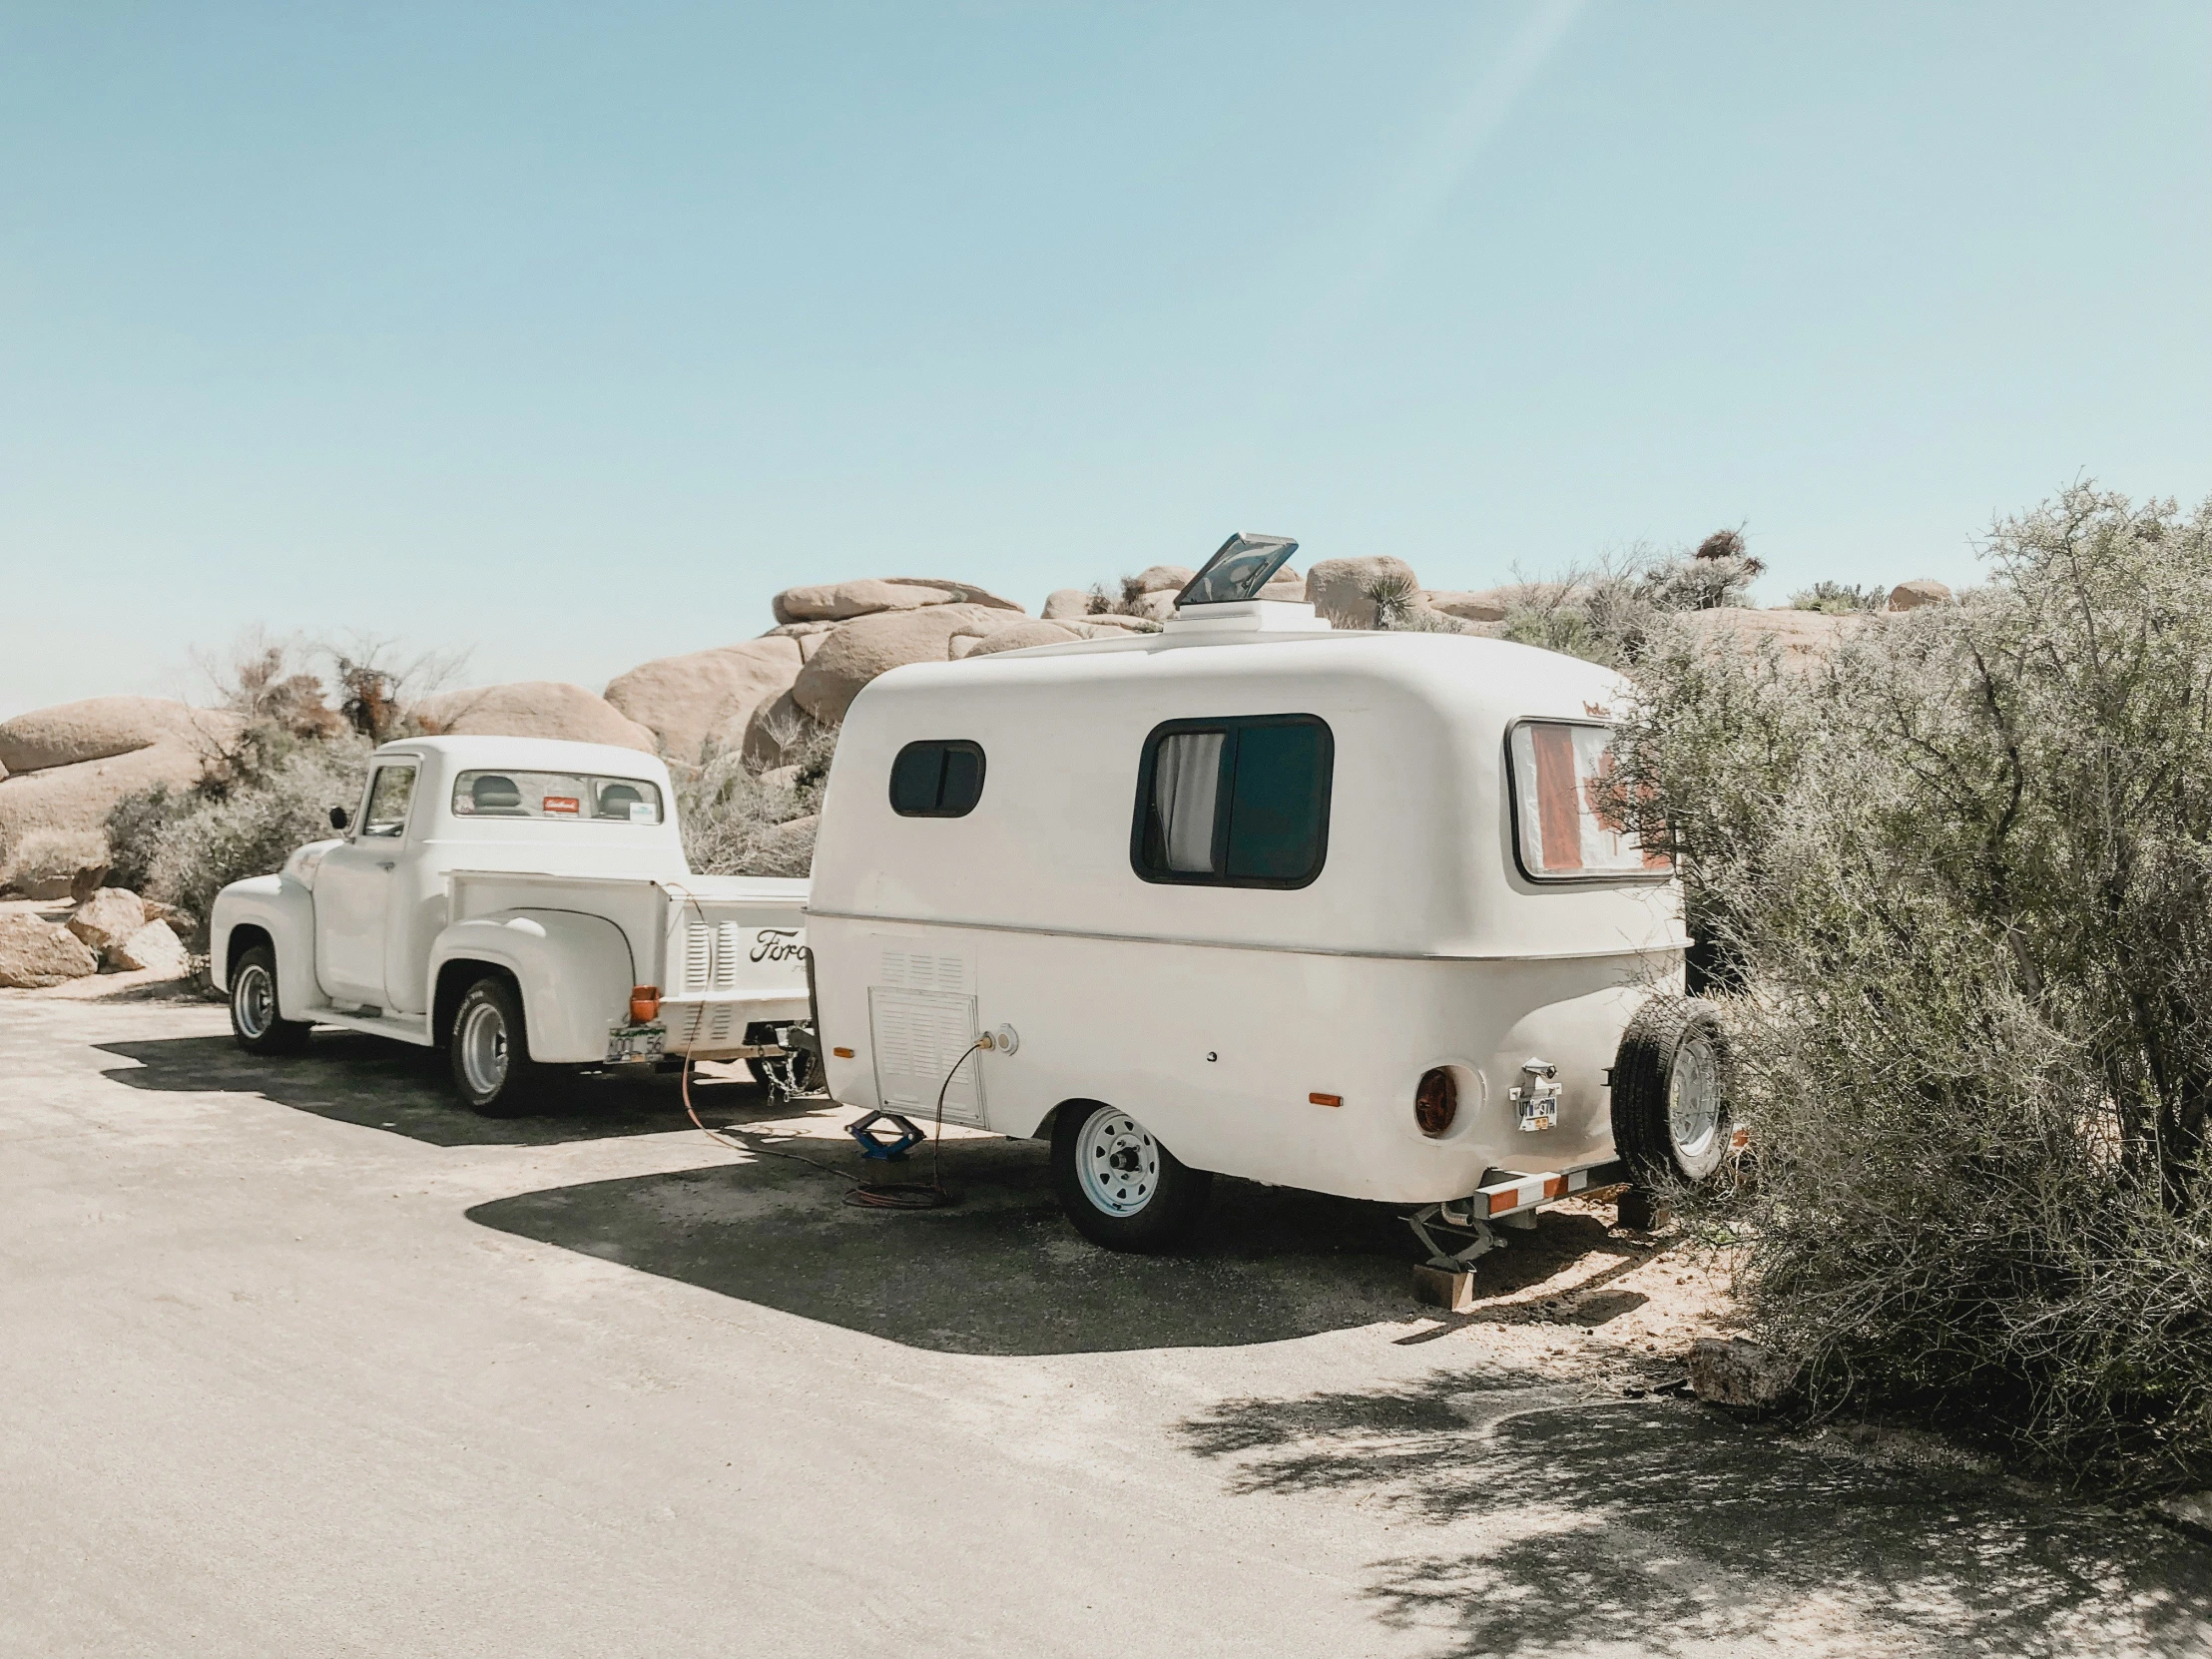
(1964, 871)
(183, 847)
(1608, 611)
(737, 821)
(1839, 597)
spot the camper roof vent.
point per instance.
(1239, 569)
(1246, 616)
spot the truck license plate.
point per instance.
(630, 1043)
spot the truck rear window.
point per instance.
(1562, 830)
(556, 795)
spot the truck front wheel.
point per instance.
(255, 1023)
(490, 1051)
(1119, 1186)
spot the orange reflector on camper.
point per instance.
(843, 1053)
(645, 1004)
(1327, 1099)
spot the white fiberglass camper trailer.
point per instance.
(1322, 908)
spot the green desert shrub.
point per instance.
(1964, 871)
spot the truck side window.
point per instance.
(388, 799)
(938, 779)
(1240, 803)
(1564, 827)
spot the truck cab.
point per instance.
(525, 902)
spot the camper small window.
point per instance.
(1234, 802)
(1564, 827)
(938, 779)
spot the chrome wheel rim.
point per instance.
(1118, 1162)
(484, 1049)
(1694, 1098)
(253, 1000)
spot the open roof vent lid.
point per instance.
(1224, 597)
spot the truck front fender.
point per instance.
(282, 910)
(574, 971)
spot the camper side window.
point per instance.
(938, 779)
(1234, 802)
(1564, 824)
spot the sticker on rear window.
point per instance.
(566, 805)
(644, 812)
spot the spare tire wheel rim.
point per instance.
(1118, 1163)
(255, 1000)
(1694, 1097)
(484, 1048)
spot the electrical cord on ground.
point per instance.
(863, 1195)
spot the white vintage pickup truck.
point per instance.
(525, 904)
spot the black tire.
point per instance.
(1170, 1197)
(489, 1052)
(256, 1025)
(1671, 1120)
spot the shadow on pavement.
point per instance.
(351, 1077)
(1670, 1528)
(1001, 1272)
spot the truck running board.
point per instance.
(408, 1028)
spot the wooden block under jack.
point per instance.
(1442, 1288)
(1640, 1210)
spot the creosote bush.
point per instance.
(1964, 877)
(737, 821)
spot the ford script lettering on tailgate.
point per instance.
(776, 944)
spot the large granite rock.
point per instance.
(108, 917)
(1168, 578)
(154, 946)
(871, 596)
(873, 645)
(1021, 636)
(74, 800)
(1803, 637)
(35, 952)
(1332, 587)
(1911, 596)
(684, 701)
(1478, 605)
(1062, 603)
(535, 709)
(101, 727)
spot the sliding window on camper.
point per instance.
(1234, 802)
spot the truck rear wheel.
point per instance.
(1119, 1186)
(1671, 1121)
(255, 1023)
(490, 1050)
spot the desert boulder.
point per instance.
(1336, 587)
(535, 709)
(687, 699)
(36, 952)
(873, 645)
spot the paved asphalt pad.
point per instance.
(303, 1360)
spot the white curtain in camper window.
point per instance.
(1186, 779)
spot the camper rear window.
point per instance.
(938, 779)
(1563, 830)
(1234, 802)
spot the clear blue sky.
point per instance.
(570, 334)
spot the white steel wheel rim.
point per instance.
(1118, 1163)
(255, 1000)
(1694, 1098)
(484, 1048)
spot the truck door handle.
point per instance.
(386, 864)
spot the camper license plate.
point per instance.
(631, 1043)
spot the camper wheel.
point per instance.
(1670, 1115)
(1118, 1185)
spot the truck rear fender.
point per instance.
(574, 971)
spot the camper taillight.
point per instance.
(645, 1004)
(1436, 1102)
